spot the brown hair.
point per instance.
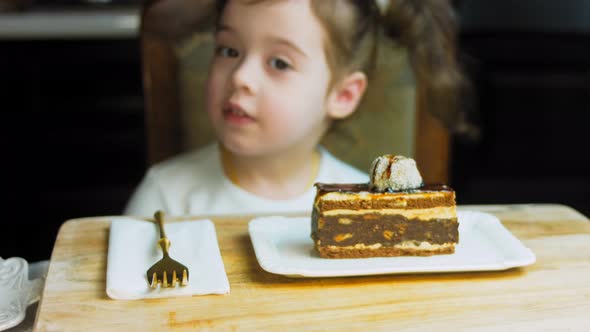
(427, 28)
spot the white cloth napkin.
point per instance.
(133, 249)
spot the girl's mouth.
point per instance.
(235, 114)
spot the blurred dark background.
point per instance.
(73, 136)
(529, 63)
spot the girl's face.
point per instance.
(268, 82)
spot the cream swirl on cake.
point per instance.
(396, 173)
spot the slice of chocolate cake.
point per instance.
(393, 215)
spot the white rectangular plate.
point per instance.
(284, 246)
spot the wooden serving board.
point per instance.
(551, 295)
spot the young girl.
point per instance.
(282, 72)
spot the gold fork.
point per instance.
(166, 271)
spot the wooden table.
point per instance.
(551, 295)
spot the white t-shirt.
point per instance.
(195, 184)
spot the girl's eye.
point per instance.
(279, 64)
(227, 52)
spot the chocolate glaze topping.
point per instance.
(324, 188)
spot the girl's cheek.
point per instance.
(216, 83)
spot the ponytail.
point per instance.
(427, 28)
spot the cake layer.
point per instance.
(361, 251)
(359, 197)
(383, 229)
(351, 220)
(420, 214)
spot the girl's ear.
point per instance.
(346, 95)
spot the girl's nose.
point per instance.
(245, 76)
